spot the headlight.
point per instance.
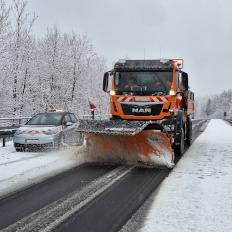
(112, 93)
(172, 92)
(51, 132)
(18, 132)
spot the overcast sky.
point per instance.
(198, 31)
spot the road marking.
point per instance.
(49, 217)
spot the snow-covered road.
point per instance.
(21, 169)
(196, 196)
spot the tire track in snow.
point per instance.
(47, 218)
(19, 160)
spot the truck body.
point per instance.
(151, 107)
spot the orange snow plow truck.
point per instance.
(151, 108)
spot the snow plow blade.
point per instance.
(127, 141)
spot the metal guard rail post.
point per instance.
(6, 132)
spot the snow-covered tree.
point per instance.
(4, 50)
(209, 108)
(214, 106)
(19, 55)
(59, 70)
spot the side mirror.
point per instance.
(69, 123)
(105, 81)
(184, 81)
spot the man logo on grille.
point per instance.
(141, 110)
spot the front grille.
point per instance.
(142, 110)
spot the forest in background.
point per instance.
(59, 70)
(214, 106)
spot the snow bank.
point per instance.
(197, 195)
(21, 169)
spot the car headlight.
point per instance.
(18, 132)
(51, 132)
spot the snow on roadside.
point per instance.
(197, 195)
(21, 169)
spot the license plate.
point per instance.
(32, 141)
(142, 99)
(155, 140)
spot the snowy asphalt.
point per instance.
(178, 189)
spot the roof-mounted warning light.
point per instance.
(57, 111)
(179, 63)
(122, 61)
(164, 61)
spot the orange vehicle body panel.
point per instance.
(148, 146)
(170, 101)
(173, 103)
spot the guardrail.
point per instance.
(8, 131)
(95, 116)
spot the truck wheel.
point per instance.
(189, 133)
(179, 148)
(114, 117)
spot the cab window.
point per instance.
(66, 119)
(73, 118)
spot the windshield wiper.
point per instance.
(161, 82)
(141, 93)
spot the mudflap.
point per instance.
(149, 147)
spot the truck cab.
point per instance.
(147, 89)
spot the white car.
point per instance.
(48, 130)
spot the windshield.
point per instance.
(45, 119)
(143, 83)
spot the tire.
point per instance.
(115, 117)
(189, 133)
(179, 147)
(22, 149)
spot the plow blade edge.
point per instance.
(127, 140)
(148, 147)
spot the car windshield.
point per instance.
(45, 119)
(144, 82)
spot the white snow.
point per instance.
(196, 196)
(21, 169)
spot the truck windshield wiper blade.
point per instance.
(161, 82)
(141, 93)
